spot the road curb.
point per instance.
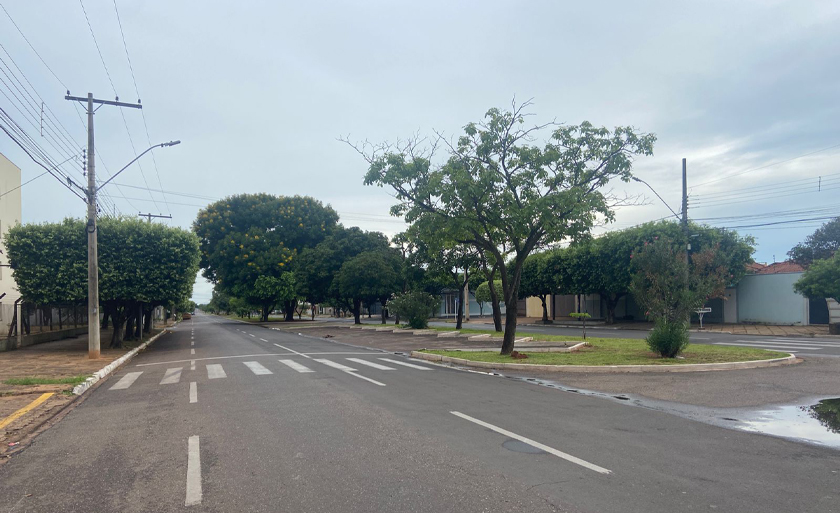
(609, 369)
(111, 367)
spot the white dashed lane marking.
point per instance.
(126, 381)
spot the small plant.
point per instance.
(415, 307)
(583, 316)
(668, 338)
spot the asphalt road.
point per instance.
(271, 421)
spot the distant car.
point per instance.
(186, 315)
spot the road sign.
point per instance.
(700, 312)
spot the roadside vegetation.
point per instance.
(612, 351)
(28, 381)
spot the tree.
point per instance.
(821, 244)
(603, 265)
(538, 279)
(247, 236)
(141, 266)
(501, 194)
(268, 291)
(483, 293)
(821, 280)
(317, 269)
(414, 306)
(370, 276)
(659, 285)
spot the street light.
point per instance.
(93, 251)
(637, 179)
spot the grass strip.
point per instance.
(619, 351)
(74, 380)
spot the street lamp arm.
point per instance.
(171, 143)
(636, 179)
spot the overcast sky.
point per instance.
(259, 92)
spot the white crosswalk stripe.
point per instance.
(257, 368)
(335, 365)
(171, 376)
(757, 345)
(126, 381)
(370, 364)
(296, 366)
(215, 371)
(405, 364)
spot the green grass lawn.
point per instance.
(74, 380)
(618, 351)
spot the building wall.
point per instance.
(770, 299)
(10, 214)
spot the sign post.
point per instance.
(701, 312)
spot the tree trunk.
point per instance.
(383, 315)
(60, 324)
(312, 308)
(129, 323)
(612, 302)
(138, 330)
(459, 322)
(545, 309)
(117, 322)
(510, 328)
(147, 320)
(289, 310)
(357, 310)
(266, 309)
(497, 310)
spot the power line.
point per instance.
(767, 165)
(768, 187)
(97, 47)
(761, 198)
(32, 47)
(142, 112)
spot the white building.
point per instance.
(10, 214)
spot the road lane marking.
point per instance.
(406, 364)
(215, 371)
(769, 347)
(292, 351)
(21, 412)
(550, 450)
(335, 365)
(296, 366)
(215, 358)
(193, 392)
(193, 472)
(264, 340)
(192, 351)
(171, 376)
(377, 383)
(192, 365)
(257, 369)
(808, 342)
(126, 381)
(370, 364)
(250, 335)
(348, 370)
(192, 342)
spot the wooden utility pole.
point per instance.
(93, 255)
(150, 216)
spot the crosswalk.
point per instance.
(786, 345)
(217, 371)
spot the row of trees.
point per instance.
(820, 255)
(141, 266)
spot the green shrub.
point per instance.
(668, 338)
(415, 307)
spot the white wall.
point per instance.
(10, 213)
(770, 299)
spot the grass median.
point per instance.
(617, 351)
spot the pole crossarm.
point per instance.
(116, 102)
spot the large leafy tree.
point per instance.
(821, 244)
(248, 236)
(318, 268)
(604, 265)
(502, 194)
(538, 279)
(370, 276)
(821, 280)
(141, 266)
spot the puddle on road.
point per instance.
(818, 423)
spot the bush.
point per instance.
(668, 338)
(415, 307)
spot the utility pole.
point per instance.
(93, 256)
(150, 216)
